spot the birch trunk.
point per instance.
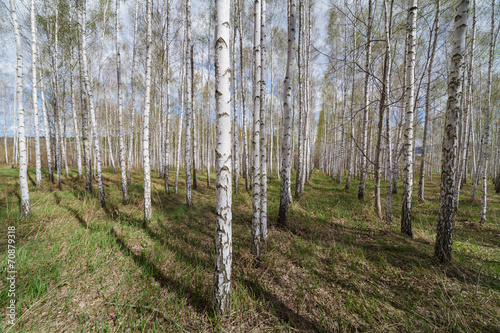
(263, 134)
(421, 180)
(493, 39)
(223, 233)
(236, 168)
(256, 202)
(406, 226)
(189, 104)
(384, 105)
(301, 125)
(132, 86)
(286, 151)
(87, 151)
(38, 163)
(193, 125)
(243, 99)
(95, 132)
(366, 101)
(145, 128)
(25, 208)
(46, 131)
(467, 107)
(444, 239)
(167, 111)
(75, 119)
(55, 99)
(121, 131)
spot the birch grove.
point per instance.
(156, 101)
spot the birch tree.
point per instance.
(145, 128)
(25, 208)
(84, 102)
(406, 227)
(486, 134)
(256, 201)
(38, 163)
(366, 101)
(132, 87)
(263, 136)
(167, 111)
(189, 104)
(235, 111)
(421, 180)
(90, 105)
(121, 131)
(444, 239)
(384, 105)
(223, 231)
(45, 126)
(286, 150)
(243, 99)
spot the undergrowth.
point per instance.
(336, 267)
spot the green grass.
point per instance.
(337, 267)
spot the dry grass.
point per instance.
(336, 268)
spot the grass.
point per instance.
(337, 267)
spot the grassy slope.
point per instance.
(337, 268)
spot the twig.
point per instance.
(149, 308)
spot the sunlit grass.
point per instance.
(337, 267)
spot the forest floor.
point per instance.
(337, 267)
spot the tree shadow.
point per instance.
(283, 312)
(193, 297)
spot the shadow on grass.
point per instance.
(282, 311)
(196, 299)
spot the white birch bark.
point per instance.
(243, 99)
(484, 175)
(444, 239)
(87, 151)
(366, 101)
(167, 111)
(193, 125)
(256, 202)
(406, 226)
(223, 232)
(286, 151)
(121, 131)
(25, 208)
(145, 125)
(91, 108)
(384, 107)
(38, 163)
(132, 86)
(75, 119)
(46, 130)
(236, 167)
(189, 104)
(263, 134)
(55, 99)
